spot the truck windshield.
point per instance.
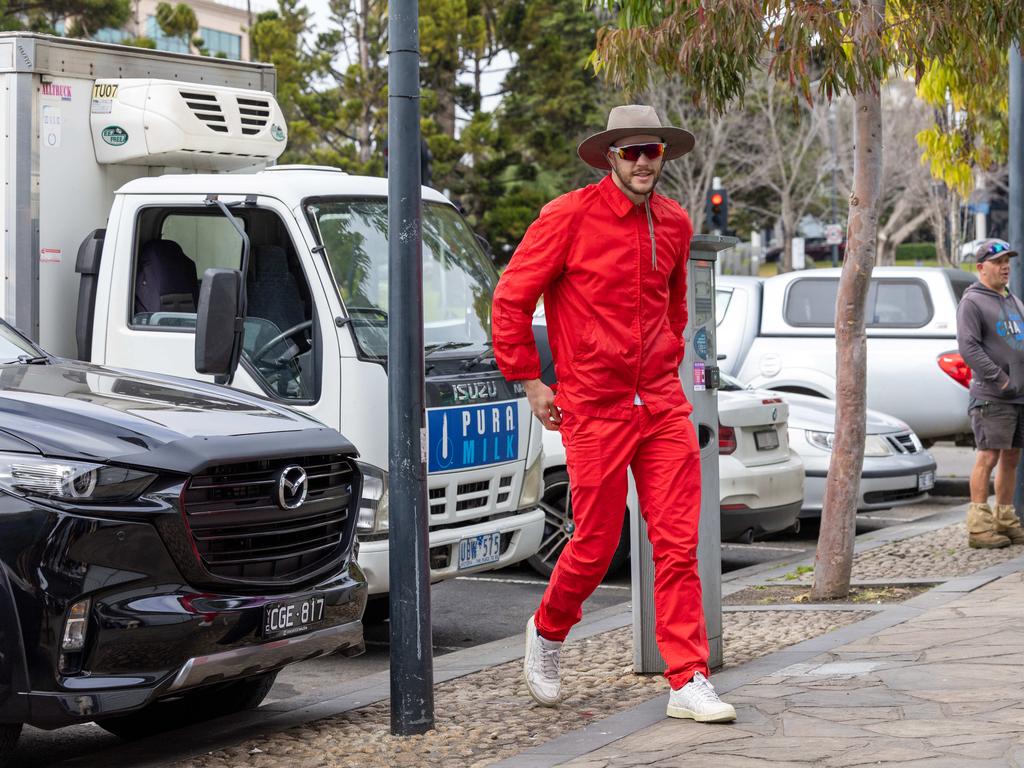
(458, 277)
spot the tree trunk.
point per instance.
(788, 233)
(363, 133)
(834, 558)
(895, 239)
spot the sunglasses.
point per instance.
(632, 152)
(995, 248)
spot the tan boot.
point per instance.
(981, 528)
(1008, 524)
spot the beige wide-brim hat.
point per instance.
(633, 120)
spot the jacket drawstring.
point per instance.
(650, 227)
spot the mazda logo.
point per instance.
(292, 487)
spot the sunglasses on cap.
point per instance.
(994, 248)
(632, 152)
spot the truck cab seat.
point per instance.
(165, 280)
(272, 291)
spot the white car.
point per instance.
(778, 333)
(897, 469)
(761, 481)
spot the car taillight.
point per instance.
(956, 368)
(726, 440)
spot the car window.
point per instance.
(812, 301)
(899, 304)
(722, 298)
(892, 303)
(959, 282)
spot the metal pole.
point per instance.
(1016, 204)
(700, 357)
(412, 673)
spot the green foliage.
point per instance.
(716, 48)
(179, 21)
(915, 252)
(971, 127)
(84, 17)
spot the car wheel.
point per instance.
(192, 707)
(9, 733)
(558, 527)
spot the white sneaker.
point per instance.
(698, 701)
(540, 667)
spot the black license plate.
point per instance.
(292, 617)
(768, 440)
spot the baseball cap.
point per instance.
(993, 248)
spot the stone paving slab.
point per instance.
(944, 688)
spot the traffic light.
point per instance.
(718, 210)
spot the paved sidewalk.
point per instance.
(945, 687)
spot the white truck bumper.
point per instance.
(524, 531)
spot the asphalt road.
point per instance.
(466, 611)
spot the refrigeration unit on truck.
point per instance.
(130, 175)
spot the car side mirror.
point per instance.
(219, 324)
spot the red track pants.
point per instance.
(663, 453)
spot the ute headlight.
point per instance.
(874, 445)
(72, 482)
(373, 502)
(533, 483)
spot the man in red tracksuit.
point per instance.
(610, 260)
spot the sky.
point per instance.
(491, 81)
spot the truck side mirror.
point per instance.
(219, 324)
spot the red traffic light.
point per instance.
(716, 198)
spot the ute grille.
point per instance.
(241, 532)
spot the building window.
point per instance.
(111, 35)
(164, 42)
(219, 43)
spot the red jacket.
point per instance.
(615, 318)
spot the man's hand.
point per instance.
(542, 403)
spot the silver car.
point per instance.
(778, 333)
(897, 469)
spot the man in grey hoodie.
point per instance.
(990, 334)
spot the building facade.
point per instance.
(223, 26)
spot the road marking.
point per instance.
(533, 582)
(757, 547)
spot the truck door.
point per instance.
(162, 251)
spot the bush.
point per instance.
(915, 252)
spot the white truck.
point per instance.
(130, 174)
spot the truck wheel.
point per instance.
(190, 708)
(558, 527)
(378, 609)
(9, 733)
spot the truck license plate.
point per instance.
(472, 435)
(479, 550)
(767, 440)
(926, 481)
(293, 616)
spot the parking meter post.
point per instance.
(699, 374)
(1016, 204)
(412, 672)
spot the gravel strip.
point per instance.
(939, 554)
(488, 716)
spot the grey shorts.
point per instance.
(998, 426)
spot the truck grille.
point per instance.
(255, 114)
(241, 532)
(207, 109)
(465, 497)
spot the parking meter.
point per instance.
(699, 374)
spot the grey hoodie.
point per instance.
(990, 334)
